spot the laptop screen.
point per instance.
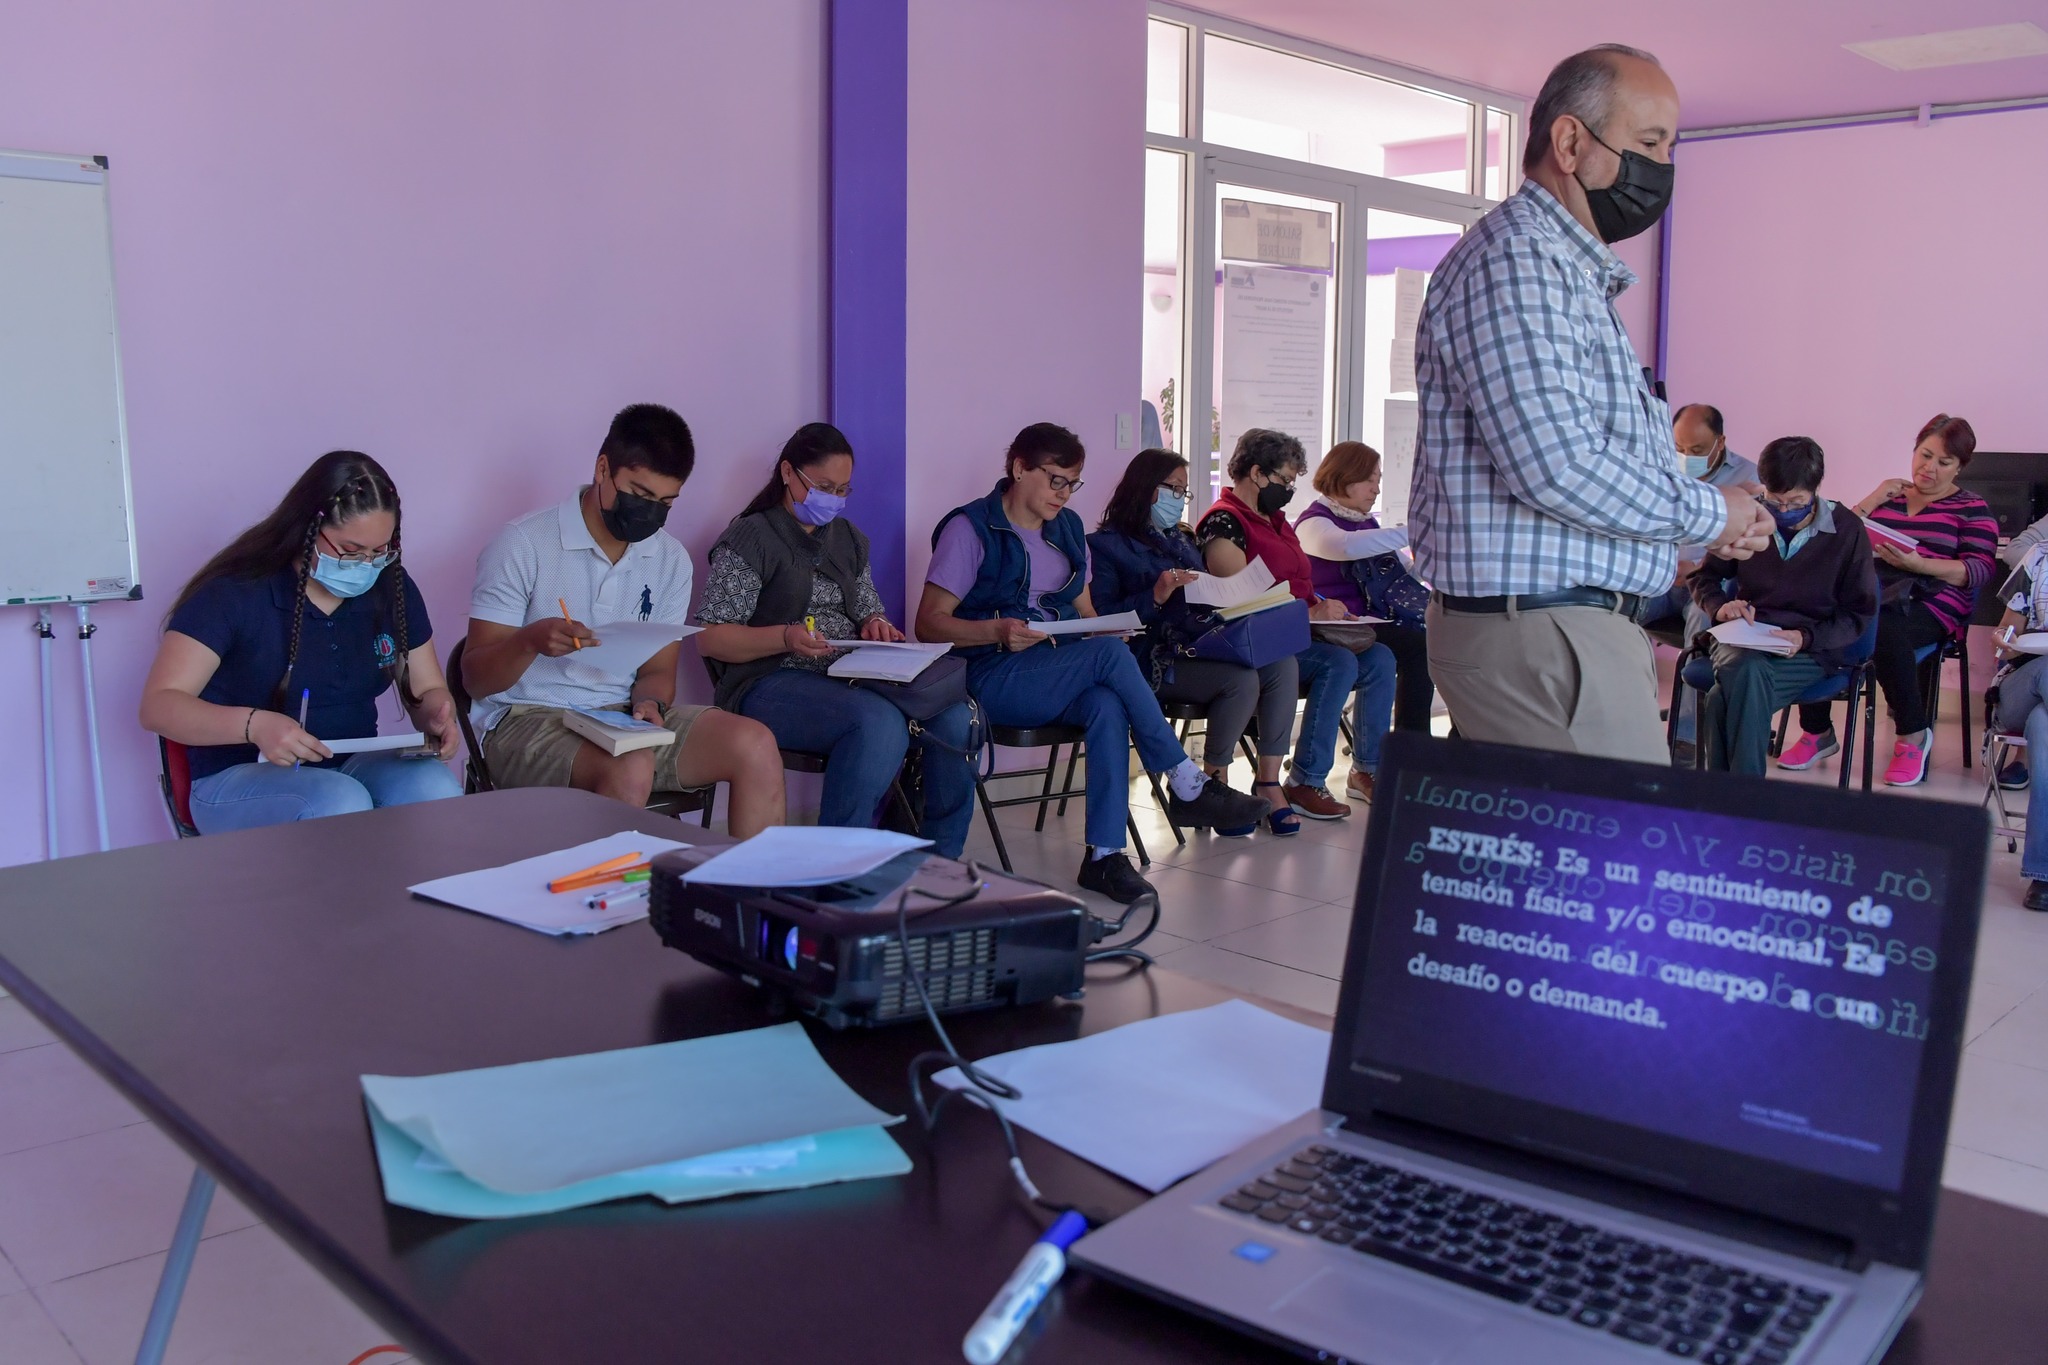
(1748, 985)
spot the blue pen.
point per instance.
(305, 700)
(1018, 1299)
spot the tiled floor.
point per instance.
(89, 1191)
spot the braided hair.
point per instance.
(338, 486)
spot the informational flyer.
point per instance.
(1409, 287)
(1274, 325)
(1397, 461)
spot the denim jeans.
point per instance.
(1093, 683)
(251, 795)
(2023, 705)
(1333, 673)
(864, 738)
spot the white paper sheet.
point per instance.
(625, 645)
(1089, 625)
(803, 855)
(915, 646)
(1409, 288)
(1160, 1099)
(1211, 590)
(887, 665)
(376, 744)
(518, 892)
(537, 1126)
(1751, 635)
(2033, 642)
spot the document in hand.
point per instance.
(1254, 580)
(1751, 635)
(625, 645)
(518, 892)
(758, 1110)
(1160, 1099)
(886, 662)
(377, 744)
(1879, 534)
(803, 855)
(1090, 625)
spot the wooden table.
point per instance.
(234, 987)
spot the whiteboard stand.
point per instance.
(44, 634)
(92, 723)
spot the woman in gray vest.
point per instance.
(789, 574)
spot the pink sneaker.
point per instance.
(1810, 750)
(1908, 765)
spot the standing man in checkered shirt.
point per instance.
(1548, 500)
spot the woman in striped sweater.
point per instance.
(1926, 591)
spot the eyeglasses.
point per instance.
(1061, 484)
(1177, 489)
(830, 490)
(380, 557)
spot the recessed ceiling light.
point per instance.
(1956, 47)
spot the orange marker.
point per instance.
(610, 865)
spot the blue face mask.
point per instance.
(1789, 518)
(1168, 508)
(1696, 466)
(348, 577)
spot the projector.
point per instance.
(977, 939)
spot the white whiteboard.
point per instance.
(67, 522)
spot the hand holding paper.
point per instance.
(1254, 580)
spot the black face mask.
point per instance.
(1638, 197)
(1274, 497)
(632, 518)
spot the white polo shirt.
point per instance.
(547, 558)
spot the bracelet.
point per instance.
(248, 723)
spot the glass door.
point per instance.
(1401, 254)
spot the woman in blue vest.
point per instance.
(1020, 555)
(790, 573)
(1144, 558)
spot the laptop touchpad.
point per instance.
(1386, 1324)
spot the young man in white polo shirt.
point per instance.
(604, 556)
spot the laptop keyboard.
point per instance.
(1663, 1299)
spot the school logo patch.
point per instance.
(385, 649)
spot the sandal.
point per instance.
(1283, 822)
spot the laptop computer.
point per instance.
(1631, 1064)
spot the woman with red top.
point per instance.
(1249, 521)
(1926, 590)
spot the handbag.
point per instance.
(1254, 641)
(943, 683)
(1389, 589)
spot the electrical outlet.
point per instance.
(1124, 438)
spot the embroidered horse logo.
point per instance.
(646, 601)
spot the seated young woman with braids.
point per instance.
(310, 603)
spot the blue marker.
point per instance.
(1017, 1300)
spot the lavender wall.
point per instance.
(1026, 232)
(458, 236)
(1848, 284)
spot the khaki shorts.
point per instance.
(530, 747)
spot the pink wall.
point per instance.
(1024, 151)
(1848, 284)
(1638, 306)
(457, 236)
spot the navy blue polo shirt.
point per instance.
(248, 622)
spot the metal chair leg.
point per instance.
(1180, 840)
(1137, 839)
(1067, 785)
(1848, 744)
(170, 1284)
(1869, 725)
(995, 831)
(1052, 765)
(1963, 703)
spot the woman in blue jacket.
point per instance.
(1144, 557)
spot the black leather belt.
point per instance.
(1627, 604)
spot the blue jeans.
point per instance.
(864, 739)
(2023, 705)
(1095, 684)
(251, 795)
(1333, 673)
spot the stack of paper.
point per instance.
(377, 744)
(518, 892)
(803, 855)
(1160, 1099)
(1211, 590)
(738, 1112)
(884, 660)
(1273, 597)
(1752, 635)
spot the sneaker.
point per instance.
(1218, 807)
(1810, 750)
(1113, 876)
(2013, 778)
(1908, 765)
(1359, 786)
(1315, 802)
(2037, 896)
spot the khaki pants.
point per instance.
(1579, 679)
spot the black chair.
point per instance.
(1859, 681)
(476, 776)
(1930, 658)
(1052, 738)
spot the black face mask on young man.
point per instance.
(1638, 197)
(632, 518)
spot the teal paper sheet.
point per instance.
(534, 1128)
(849, 1154)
